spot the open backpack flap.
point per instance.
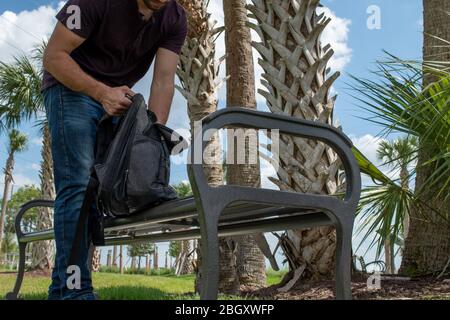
(131, 171)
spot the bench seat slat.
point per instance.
(168, 218)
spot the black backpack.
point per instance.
(131, 171)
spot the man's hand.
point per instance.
(114, 100)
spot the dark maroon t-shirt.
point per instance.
(120, 46)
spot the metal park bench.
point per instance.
(233, 210)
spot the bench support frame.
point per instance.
(212, 200)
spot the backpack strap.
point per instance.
(89, 199)
(105, 134)
(106, 130)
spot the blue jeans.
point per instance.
(73, 120)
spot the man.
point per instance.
(97, 52)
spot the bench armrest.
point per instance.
(246, 118)
(27, 206)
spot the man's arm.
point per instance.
(59, 63)
(162, 90)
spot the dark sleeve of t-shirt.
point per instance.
(175, 38)
(82, 16)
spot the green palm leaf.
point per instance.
(20, 85)
(398, 102)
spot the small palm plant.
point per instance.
(17, 143)
(398, 155)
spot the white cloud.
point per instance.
(336, 34)
(20, 32)
(368, 145)
(267, 170)
(36, 166)
(21, 180)
(37, 141)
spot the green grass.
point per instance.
(113, 286)
(274, 277)
(142, 271)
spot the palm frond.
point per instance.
(18, 141)
(368, 168)
(398, 102)
(20, 85)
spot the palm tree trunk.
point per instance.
(250, 263)
(428, 242)
(114, 262)
(121, 259)
(298, 85)
(155, 258)
(183, 265)
(8, 179)
(241, 93)
(389, 256)
(96, 255)
(42, 253)
(404, 180)
(198, 73)
(186, 266)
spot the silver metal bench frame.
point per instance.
(211, 202)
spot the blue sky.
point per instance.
(25, 22)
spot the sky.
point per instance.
(356, 37)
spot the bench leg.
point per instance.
(343, 260)
(14, 295)
(210, 256)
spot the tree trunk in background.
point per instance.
(8, 179)
(428, 242)
(114, 256)
(295, 75)
(95, 265)
(184, 265)
(389, 256)
(404, 180)
(42, 252)
(251, 266)
(121, 259)
(155, 258)
(198, 73)
(109, 259)
(241, 93)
